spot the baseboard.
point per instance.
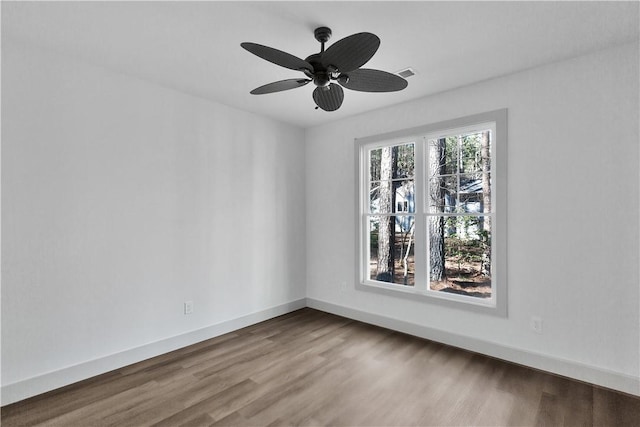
(591, 374)
(52, 380)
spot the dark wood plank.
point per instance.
(615, 409)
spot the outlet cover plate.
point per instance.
(536, 324)
(188, 307)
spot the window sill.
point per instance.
(435, 297)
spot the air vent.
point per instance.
(407, 72)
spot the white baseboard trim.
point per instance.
(579, 371)
(52, 380)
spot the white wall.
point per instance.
(121, 200)
(572, 218)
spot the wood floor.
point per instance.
(313, 368)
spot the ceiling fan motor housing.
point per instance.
(321, 77)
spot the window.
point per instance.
(431, 212)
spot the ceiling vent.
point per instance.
(407, 72)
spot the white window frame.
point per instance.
(496, 121)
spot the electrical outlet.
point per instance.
(536, 324)
(188, 307)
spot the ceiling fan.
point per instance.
(341, 62)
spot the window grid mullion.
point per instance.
(420, 260)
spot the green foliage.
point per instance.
(463, 250)
(462, 153)
(465, 240)
(373, 239)
(404, 165)
(374, 161)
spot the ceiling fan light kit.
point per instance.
(340, 62)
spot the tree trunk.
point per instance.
(408, 237)
(394, 189)
(436, 223)
(384, 270)
(485, 158)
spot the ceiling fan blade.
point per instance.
(351, 52)
(279, 86)
(329, 98)
(278, 57)
(367, 80)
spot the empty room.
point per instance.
(366, 213)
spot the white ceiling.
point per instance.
(194, 47)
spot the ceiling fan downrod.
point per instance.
(320, 75)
